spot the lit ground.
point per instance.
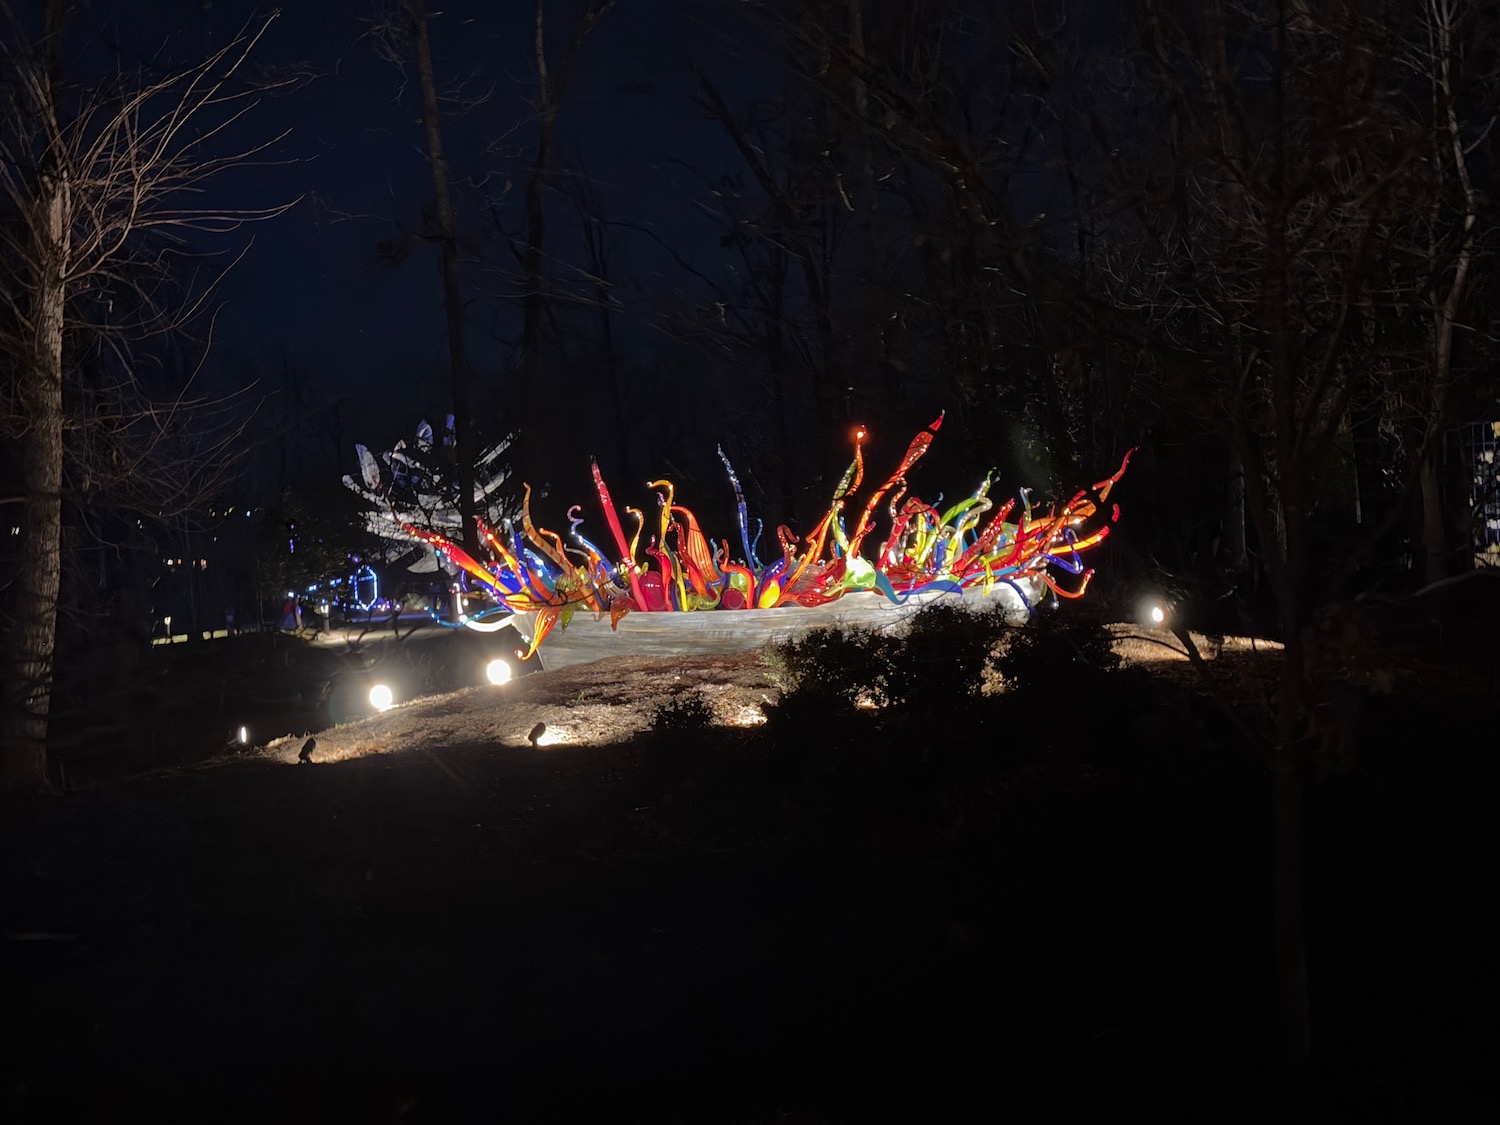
(612, 700)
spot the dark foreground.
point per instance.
(746, 927)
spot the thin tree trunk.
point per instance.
(452, 297)
(879, 292)
(532, 304)
(532, 393)
(1289, 782)
(1442, 17)
(190, 581)
(594, 239)
(1236, 557)
(1434, 529)
(825, 374)
(1289, 808)
(1370, 500)
(776, 348)
(612, 371)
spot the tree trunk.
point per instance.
(1289, 782)
(1289, 809)
(597, 246)
(32, 642)
(1442, 18)
(825, 371)
(1434, 533)
(786, 458)
(33, 638)
(878, 292)
(1236, 557)
(1372, 493)
(532, 395)
(452, 298)
(621, 427)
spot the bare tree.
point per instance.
(1449, 236)
(97, 185)
(401, 37)
(1262, 196)
(598, 286)
(535, 392)
(930, 122)
(801, 227)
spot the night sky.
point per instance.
(318, 311)
(314, 295)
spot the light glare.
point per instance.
(382, 698)
(1158, 615)
(498, 671)
(746, 716)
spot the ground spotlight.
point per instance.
(242, 736)
(1158, 615)
(382, 698)
(498, 671)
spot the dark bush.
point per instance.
(938, 662)
(684, 712)
(1056, 650)
(944, 656)
(841, 668)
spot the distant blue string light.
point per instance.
(365, 574)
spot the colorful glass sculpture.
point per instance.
(970, 546)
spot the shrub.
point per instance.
(1056, 652)
(684, 712)
(938, 662)
(838, 666)
(945, 653)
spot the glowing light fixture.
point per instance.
(549, 736)
(497, 671)
(1158, 615)
(242, 736)
(382, 698)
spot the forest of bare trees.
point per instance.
(1251, 239)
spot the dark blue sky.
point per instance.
(313, 294)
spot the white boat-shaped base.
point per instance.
(721, 632)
